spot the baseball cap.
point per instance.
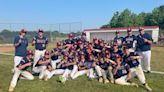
(126, 47)
(83, 33)
(70, 35)
(46, 53)
(58, 44)
(40, 30)
(115, 44)
(23, 31)
(129, 30)
(141, 28)
(29, 52)
(117, 32)
(79, 42)
(117, 56)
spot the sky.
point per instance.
(91, 13)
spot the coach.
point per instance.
(40, 42)
(20, 44)
(144, 42)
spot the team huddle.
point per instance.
(117, 62)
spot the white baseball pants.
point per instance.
(27, 75)
(146, 61)
(137, 71)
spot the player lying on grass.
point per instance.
(22, 70)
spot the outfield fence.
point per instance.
(52, 31)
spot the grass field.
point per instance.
(81, 84)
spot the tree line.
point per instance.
(127, 18)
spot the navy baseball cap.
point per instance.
(117, 32)
(141, 28)
(23, 31)
(40, 30)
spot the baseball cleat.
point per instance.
(46, 78)
(112, 80)
(134, 84)
(61, 79)
(106, 81)
(147, 87)
(100, 79)
(11, 88)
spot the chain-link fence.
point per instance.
(53, 31)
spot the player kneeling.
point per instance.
(43, 66)
(122, 73)
(132, 59)
(22, 70)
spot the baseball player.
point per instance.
(103, 67)
(22, 70)
(144, 42)
(82, 67)
(40, 42)
(55, 56)
(130, 40)
(20, 44)
(122, 73)
(71, 67)
(132, 59)
(118, 40)
(115, 51)
(43, 66)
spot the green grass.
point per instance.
(81, 84)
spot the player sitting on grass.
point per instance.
(22, 70)
(43, 66)
(70, 64)
(82, 67)
(132, 59)
(55, 56)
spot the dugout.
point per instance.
(108, 34)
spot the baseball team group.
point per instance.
(117, 62)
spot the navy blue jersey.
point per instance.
(114, 54)
(129, 40)
(123, 70)
(104, 65)
(55, 56)
(21, 49)
(25, 60)
(68, 41)
(83, 64)
(119, 41)
(141, 44)
(42, 59)
(132, 62)
(96, 46)
(40, 43)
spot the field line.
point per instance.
(155, 72)
(9, 54)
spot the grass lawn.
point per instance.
(81, 84)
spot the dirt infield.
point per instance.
(5, 49)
